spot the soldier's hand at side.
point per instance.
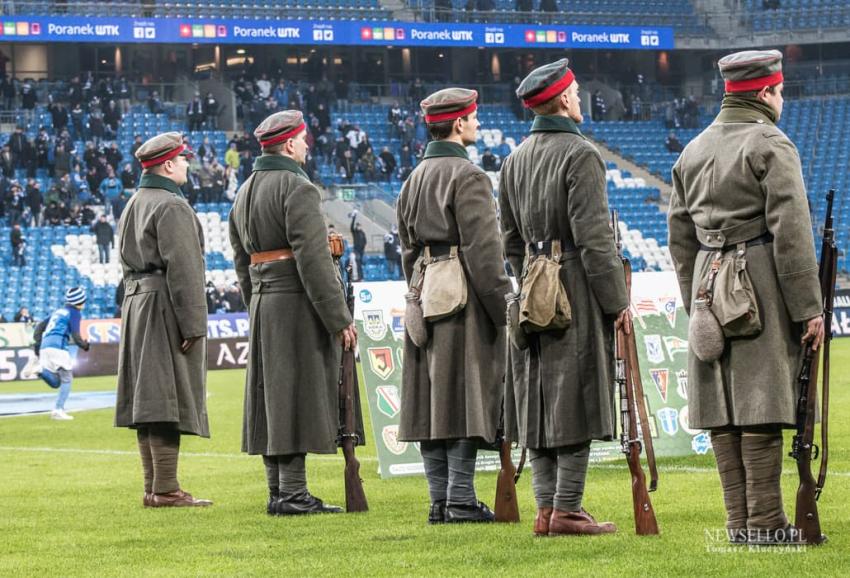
(624, 321)
(814, 332)
(188, 343)
(348, 337)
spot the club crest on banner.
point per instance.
(389, 402)
(668, 306)
(661, 378)
(684, 417)
(682, 383)
(669, 420)
(654, 350)
(701, 443)
(398, 322)
(373, 324)
(675, 345)
(381, 361)
(646, 307)
(390, 436)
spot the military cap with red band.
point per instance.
(449, 104)
(163, 147)
(545, 83)
(280, 127)
(751, 70)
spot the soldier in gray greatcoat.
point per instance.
(560, 389)
(452, 386)
(162, 357)
(740, 182)
(298, 316)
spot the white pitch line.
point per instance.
(331, 458)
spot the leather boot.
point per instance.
(437, 514)
(577, 523)
(466, 513)
(733, 479)
(178, 499)
(303, 503)
(541, 522)
(147, 500)
(273, 497)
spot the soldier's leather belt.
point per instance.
(742, 233)
(760, 240)
(273, 255)
(545, 247)
(146, 282)
(439, 249)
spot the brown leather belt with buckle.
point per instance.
(273, 255)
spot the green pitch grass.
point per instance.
(70, 494)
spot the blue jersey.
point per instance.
(63, 323)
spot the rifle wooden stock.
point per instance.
(803, 448)
(355, 497)
(631, 404)
(506, 505)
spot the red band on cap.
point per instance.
(754, 83)
(432, 118)
(283, 137)
(551, 92)
(166, 157)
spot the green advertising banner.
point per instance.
(661, 333)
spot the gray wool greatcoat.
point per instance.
(296, 308)
(560, 391)
(452, 388)
(161, 247)
(743, 169)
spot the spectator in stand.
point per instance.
(234, 299)
(489, 161)
(15, 203)
(358, 242)
(105, 237)
(408, 131)
(389, 255)
(52, 214)
(28, 99)
(137, 167)
(219, 179)
(598, 106)
(363, 145)
(673, 144)
(97, 128)
(416, 91)
(341, 91)
(114, 156)
(23, 316)
(264, 86)
(17, 144)
(30, 159)
(345, 166)
(61, 162)
(213, 110)
(397, 253)
(35, 203)
(19, 245)
(207, 150)
(367, 165)
(128, 177)
(206, 181)
(78, 122)
(154, 103)
(7, 90)
(195, 114)
(110, 188)
(112, 119)
(119, 204)
(42, 147)
(389, 163)
(281, 94)
(231, 157)
(395, 117)
(7, 162)
(123, 96)
(59, 114)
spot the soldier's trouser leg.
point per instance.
(572, 472)
(147, 458)
(165, 449)
(461, 454)
(293, 474)
(761, 450)
(730, 465)
(544, 476)
(436, 468)
(272, 474)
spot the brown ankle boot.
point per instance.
(147, 500)
(178, 499)
(577, 523)
(541, 522)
